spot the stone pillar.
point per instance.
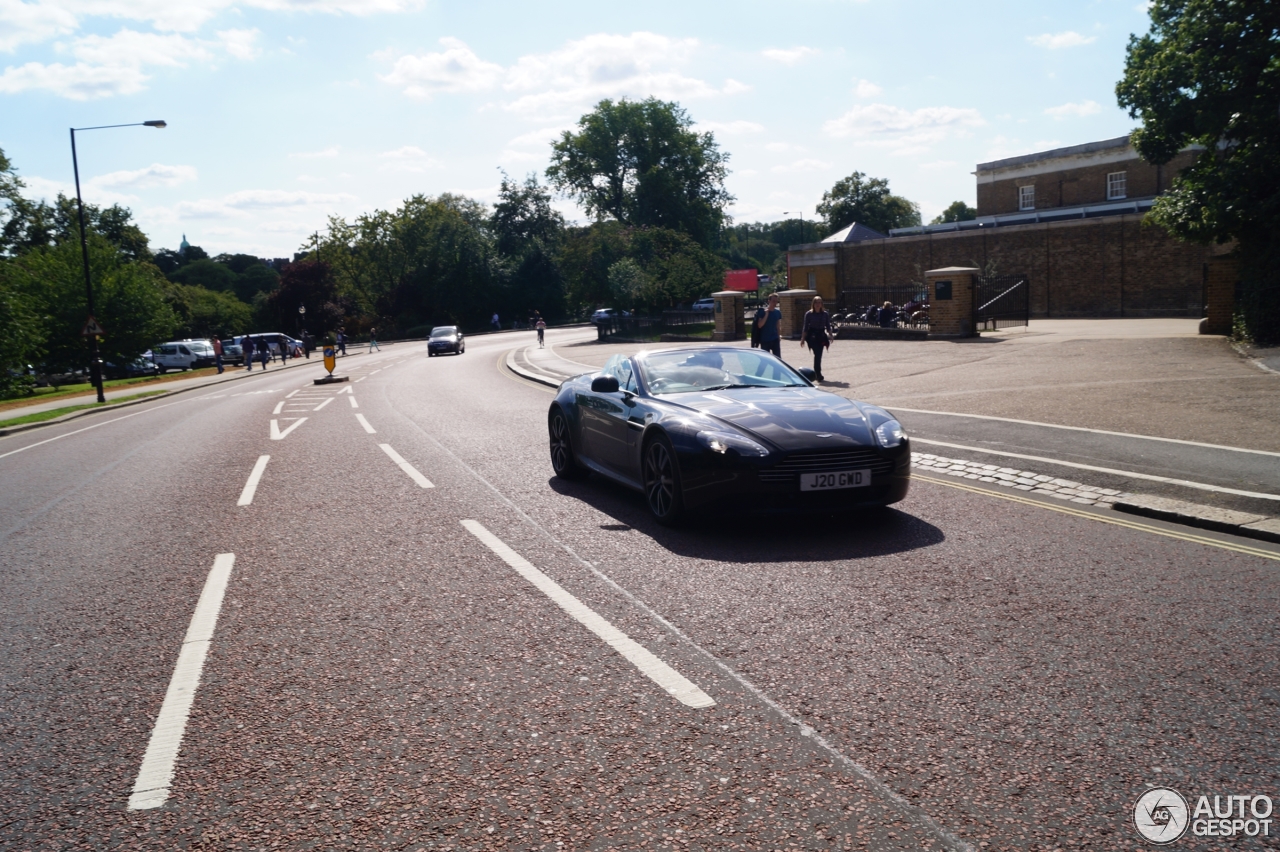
(729, 323)
(951, 301)
(1220, 295)
(794, 304)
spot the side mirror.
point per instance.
(808, 374)
(604, 384)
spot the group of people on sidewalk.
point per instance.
(815, 332)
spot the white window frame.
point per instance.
(1027, 197)
(1117, 186)
(813, 280)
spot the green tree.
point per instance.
(1208, 73)
(207, 313)
(866, 201)
(21, 336)
(957, 211)
(585, 258)
(527, 233)
(641, 163)
(207, 274)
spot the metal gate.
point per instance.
(1001, 301)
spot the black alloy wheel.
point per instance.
(662, 490)
(563, 461)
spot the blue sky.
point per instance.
(284, 112)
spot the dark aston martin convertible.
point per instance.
(726, 428)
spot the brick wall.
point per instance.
(1113, 266)
(1087, 184)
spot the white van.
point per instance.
(183, 355)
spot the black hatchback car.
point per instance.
(446, 338)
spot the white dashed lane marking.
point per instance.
(365, 424)
(155, 776)
(277, 435)
(251, 487)
(422, 481)
(323, 404)
(279, 406)
(353, 402)
(671, 681)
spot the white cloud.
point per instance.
(240, 43)
(729, 128)
(906, 131)
(866, 89)
(456, 69)
(156, 174)
(326, 153)
(77, 82)
(245, 202)
(21, 23)
(1054, 41)
(780, 147)
(808, 165)
(791, 56)
(132, 48)
(408, 159)
(1075, 110)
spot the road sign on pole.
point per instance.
(92, 329)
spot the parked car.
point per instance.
(130, 369)
(183, 355)
(707, 304)
(445, 338)
(232, 351)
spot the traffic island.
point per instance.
(332, 380)
(1206, 517)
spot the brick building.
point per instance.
(1071, 219)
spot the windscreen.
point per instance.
(447, 331)
(715, 369)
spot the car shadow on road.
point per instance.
(760, 537)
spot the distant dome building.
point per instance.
(183, 246)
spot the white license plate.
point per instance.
(839, 479)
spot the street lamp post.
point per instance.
(95, 366)
(799, 213)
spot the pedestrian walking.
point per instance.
(541, 325)
(497, 326)
(816, 334)
(246, 346)
(284, 350)
(768, 320)
(342, 341)
(264, 352)
(306, 343)
(373, 340)
(217, 354)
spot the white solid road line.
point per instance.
(279, 405)
(354, 404)
(422, 481)
(291, 393)
(1150, 477)
(277, 435)
(365, 424)
(155, 776)
(323, 404)
(1084, 429)
(251, 487)
(674, 683)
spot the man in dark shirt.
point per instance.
(768, 319)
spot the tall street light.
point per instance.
(799, 213)
(91, 327)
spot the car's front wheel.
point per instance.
(563, 461)
(662, 490)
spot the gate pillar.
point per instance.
(729, 323)
(1220, 295)
(794, 304)
(951, 301)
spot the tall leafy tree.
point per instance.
(1208, 73)
(528, 231)
(957, 211)
(866, 201)
(641, 163)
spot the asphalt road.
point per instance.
(425, 642)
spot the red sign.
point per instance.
(741, 279)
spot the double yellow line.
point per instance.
(1114, 521)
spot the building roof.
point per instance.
(855, 233)
(1071, 151)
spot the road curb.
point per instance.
(525, 373)
(1205, 517)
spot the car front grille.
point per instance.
(824, 461)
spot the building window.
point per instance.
(1026, 198)
(1116, 185)
(813, 280)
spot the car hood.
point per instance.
(788, 418)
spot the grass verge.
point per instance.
(41, 416)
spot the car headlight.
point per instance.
(890, 433)
(726, 443)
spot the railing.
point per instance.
(861, 305)
(1001, 301)
(651, 328)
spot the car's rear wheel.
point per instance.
(563, 460)
(662, 490)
